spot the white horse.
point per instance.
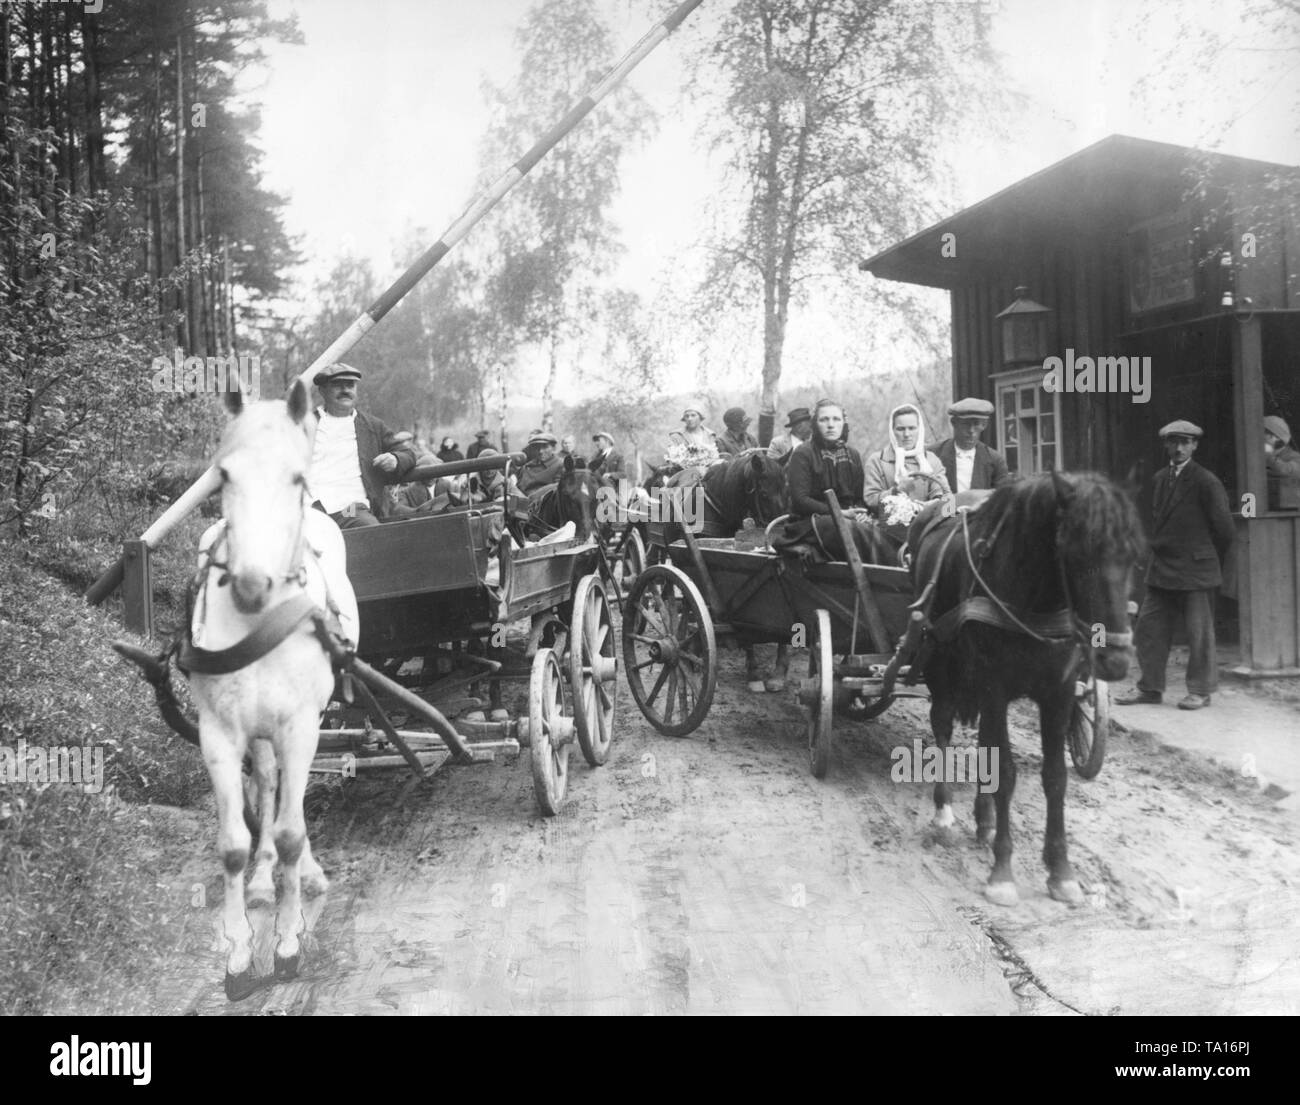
(270, 549)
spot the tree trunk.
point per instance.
(94, 103)
(553, 370)
(184, 290)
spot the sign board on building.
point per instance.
(1158, 263)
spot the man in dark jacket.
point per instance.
(544, 466)
(1191, 532)
(481, 442)
(736, 438)
(606, 462)
(969, 463)
(354, 454)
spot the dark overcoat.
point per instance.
(990, 468)
(1191, 530)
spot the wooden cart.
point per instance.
(861, 624)
(426, 588)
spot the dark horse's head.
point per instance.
(572, 499)
(751, 485)
(1069, 540)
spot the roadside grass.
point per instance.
(85, 918)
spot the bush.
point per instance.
(82, 913)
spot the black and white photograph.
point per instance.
(651, 507)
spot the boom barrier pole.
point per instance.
(209, 482)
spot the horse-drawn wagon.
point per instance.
(431, 589)
(862, 625)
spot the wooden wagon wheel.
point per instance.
(631, 561)
(670, 656)
(821, 670)
(593, 670)
(1089, 722)
(550, 732)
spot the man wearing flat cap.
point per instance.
(1283, 463)
(1191, 533)
(354, 454)
(606, 462)
(798, 423)
(969, 463)
(544, 465)
(736, 438)
(480, 443)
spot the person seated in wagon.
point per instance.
(354, 455)
(826, 461)
(694, 445)
(902, 477)
(544, 465)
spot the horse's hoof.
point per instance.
(1002, 893)
(756, 686)
(239, 986)
(774, 686)
(1065, 890)
(943, 817)
(500, 715)
(286, 967)
(314, 883)
(474, 715)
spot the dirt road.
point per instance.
(714, 875)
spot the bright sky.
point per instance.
(372, 129)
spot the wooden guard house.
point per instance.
(1139, 249)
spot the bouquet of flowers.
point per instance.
(685, 455)
(898, 509)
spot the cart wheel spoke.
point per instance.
(685, 649)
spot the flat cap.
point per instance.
(1277, 427)
(339, 371)
(970, 407)
(541, 437)
(1181, 428)
(799, 414)
(482, 433)
(605, 434)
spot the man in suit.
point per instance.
(606, 462)
(970, 464)
(736, 438)
(544, 466)
(1191, 532)
(799, 424)
(354, 454)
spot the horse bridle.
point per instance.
(1081, 631)
(297, 567)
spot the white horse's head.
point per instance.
(263, 460)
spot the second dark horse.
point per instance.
(749, 485)
(1024, 589)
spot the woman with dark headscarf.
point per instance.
(826, 461)
(450, 451)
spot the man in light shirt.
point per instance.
(354, 454)
(970, 464)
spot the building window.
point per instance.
(1029, 421)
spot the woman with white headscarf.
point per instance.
(903, 476)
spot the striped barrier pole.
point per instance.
(209, 482)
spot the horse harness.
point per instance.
(272, 629)
(1055, 628)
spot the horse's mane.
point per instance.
(1090, 519)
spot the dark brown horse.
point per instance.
(572, 499)
(749, 485)
(1022, 589)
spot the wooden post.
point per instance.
(1253, 601)
(137, 588)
